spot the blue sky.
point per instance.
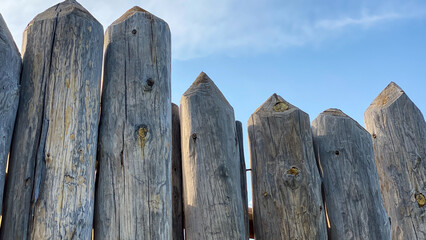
(315, 54)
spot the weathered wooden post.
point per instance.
(351, 185)
(10, 72)
(50, 186)
(134, 188)
(398, 132)
(239, 130)
(287, 202)
(213, 202)
(177, 176)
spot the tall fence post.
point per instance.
(351, 185)
(134, 192)
(10, 72)
(50, 185)
(239, 130)
(398, 132)
(287, 201)
(213, 203)
(177, 176)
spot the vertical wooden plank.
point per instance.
(239, 129)
(10, 72)
(177, 176)
(213, 203)
(398, 132)
(351, 185)
(50, 186)
(134, 192)
(287, 202)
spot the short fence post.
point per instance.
(398, 132)
(287, 202)
(352, 193)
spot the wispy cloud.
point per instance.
(205, 27)
(363, 21)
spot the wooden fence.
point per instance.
(133, 166)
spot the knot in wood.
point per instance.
(420, 198)
(293, 171)
(142, 135)
(293, 178)
(149, 84)
(194, 136)
(337, 153)
(27, 182)
(222, 171)
(134, 31)
(374, 135)
(280, 107)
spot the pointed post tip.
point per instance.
(394, 86)
(387, 96)
(131, 12)
(202, 78)
(205, 86)
(6, 36)
(275, 104)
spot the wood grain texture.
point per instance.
(213, 202)
(351, 185)
(177, 190)
(287, 202)
(239, 129)
(398, 132)
(134, 192)
(10, 73)
(50, 186)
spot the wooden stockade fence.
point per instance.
(167, 173)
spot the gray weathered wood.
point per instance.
(351, 185)
(50, 185)
(177, 176)
(10, 72)
(134, 192)
(399, 139)
(239, 129)
(213, 202)
(287, 202)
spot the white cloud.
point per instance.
(364, 21)
(204, 27)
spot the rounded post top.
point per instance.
(62, 9)
(335, 113)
